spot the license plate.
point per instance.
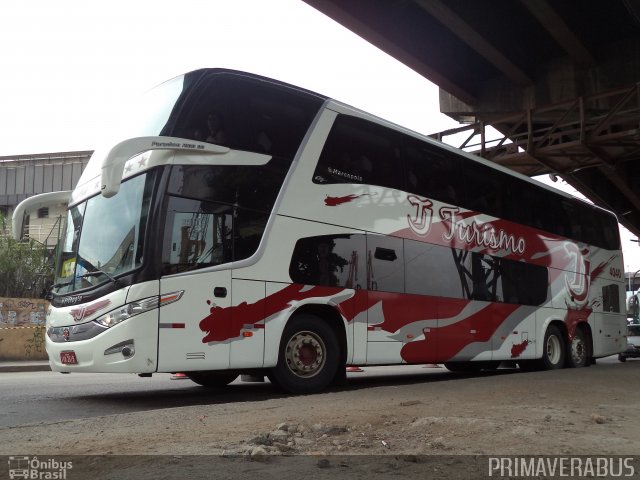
(68, 358)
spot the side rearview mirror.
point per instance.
(32, 204)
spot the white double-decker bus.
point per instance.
(251, 227)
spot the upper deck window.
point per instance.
(244, 113)
(358, 151)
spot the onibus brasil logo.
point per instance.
(24, 467)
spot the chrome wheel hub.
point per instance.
(305, 354)
(554, 349)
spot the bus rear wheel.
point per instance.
(578, 354)
(553, 355)
(212, 379)
(308, 357)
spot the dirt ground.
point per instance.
(434, 423)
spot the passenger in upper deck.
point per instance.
(215, 129)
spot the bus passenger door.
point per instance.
(194, 330)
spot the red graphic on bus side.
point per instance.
(518, 348)
(224, 323)
(81, 313)
(443, 343)
(439, 344)
(576, 315)
(335, 201)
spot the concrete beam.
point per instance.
(365, 29)
(561, 33)
(475, 40)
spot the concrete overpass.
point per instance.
(558, 79)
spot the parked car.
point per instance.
(633, 343)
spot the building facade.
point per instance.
(22, 176)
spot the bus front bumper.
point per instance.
(128, 347)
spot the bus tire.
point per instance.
(309, 356)
(578, 350)
(553, 353)
(212, 379)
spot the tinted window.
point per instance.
(486, 190)
(446, 272)
(480, 276)
(331, 260)
(358, 151)
(201, 234)
(245, 114)
(611, 298)
(254, 187)
(385, 259)
(520, 208)
(408, 266)
(433, 172)
(610, 230)
(523, 283)
(431, 270)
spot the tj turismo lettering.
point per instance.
(482, 235)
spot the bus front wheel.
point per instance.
(308, 357)
(553, 355)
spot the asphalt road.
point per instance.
(34, 397)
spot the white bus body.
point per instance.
(330, 238)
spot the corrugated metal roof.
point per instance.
(22, 176)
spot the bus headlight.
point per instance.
(127, 311)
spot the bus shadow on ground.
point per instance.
(186, 393)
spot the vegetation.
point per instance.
(26, 267)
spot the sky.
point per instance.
(69, 66)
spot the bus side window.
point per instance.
(197, 235)
(431, 173)
(431, 270)
(485, 189)
(361, 152)
(329, 260)
(524, 283)
(385, 263)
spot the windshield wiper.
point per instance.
(95, 273)
(63, 284)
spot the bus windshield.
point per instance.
(104, 237)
